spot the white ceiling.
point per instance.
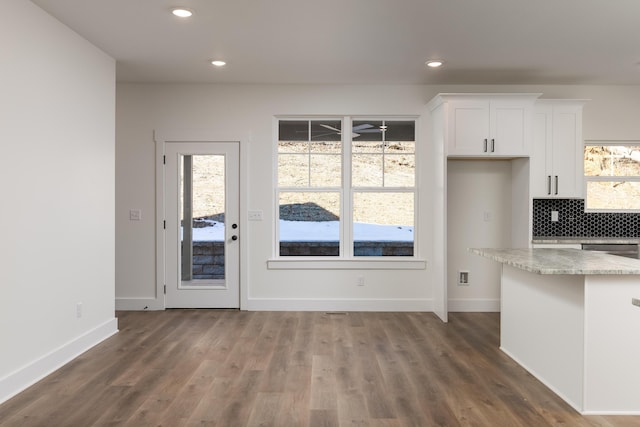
(364, 41)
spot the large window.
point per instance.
(346, 194)
(612, 174)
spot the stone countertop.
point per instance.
(561, 261)
(580, 240)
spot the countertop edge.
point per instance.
(567, 261)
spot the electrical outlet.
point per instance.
(79, 310)
(554, 216)
(463, 278)
(360, 280)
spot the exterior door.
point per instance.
(202, 225)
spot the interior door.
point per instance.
(202, 229)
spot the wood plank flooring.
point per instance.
(228, 368)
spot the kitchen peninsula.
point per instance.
(572, 319)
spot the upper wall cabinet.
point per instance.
(486, 125)
(556, 164)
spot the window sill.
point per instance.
(346, 264)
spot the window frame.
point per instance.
(346, 258)
(610, 178)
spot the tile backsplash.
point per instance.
(573, 221)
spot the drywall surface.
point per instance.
(479, 216)
(142, 108)
(57, 115)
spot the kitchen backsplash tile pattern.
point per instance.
(573, 221)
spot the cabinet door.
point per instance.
(541, 153)
(556, 163)
(468, 127)
(567, 164)
(509, 128)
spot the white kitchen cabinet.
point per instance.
(487, 125)
(556, 163)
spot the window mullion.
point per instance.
(347, 192)
(309, 155)
(384, 153)
(612, 178)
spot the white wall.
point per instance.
(57, 177)
(143, 108)
(478, 216)
(611, 113)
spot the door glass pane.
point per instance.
(383, 223)
(202, 209)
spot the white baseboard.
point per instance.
(474, 305)
(139, 304)
(286, 304)
(18, 381)
(290, 304)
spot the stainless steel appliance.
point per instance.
(629, 250)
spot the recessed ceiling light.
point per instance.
(435, 63)
(181, 12)
(218, 63)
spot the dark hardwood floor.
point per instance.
(231, 368)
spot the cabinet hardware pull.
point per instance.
(549, 185)
(556, 185)
(485, 145)
(493, 145)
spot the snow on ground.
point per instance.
(327, 231)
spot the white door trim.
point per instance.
(161, 137)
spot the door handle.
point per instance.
(493, 145)
(549, 185)
(556, 185)
(234, 237)
(234, 226)
(485, 145)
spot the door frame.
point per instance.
(161, 137)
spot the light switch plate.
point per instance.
(135, 215)
(255, 216)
